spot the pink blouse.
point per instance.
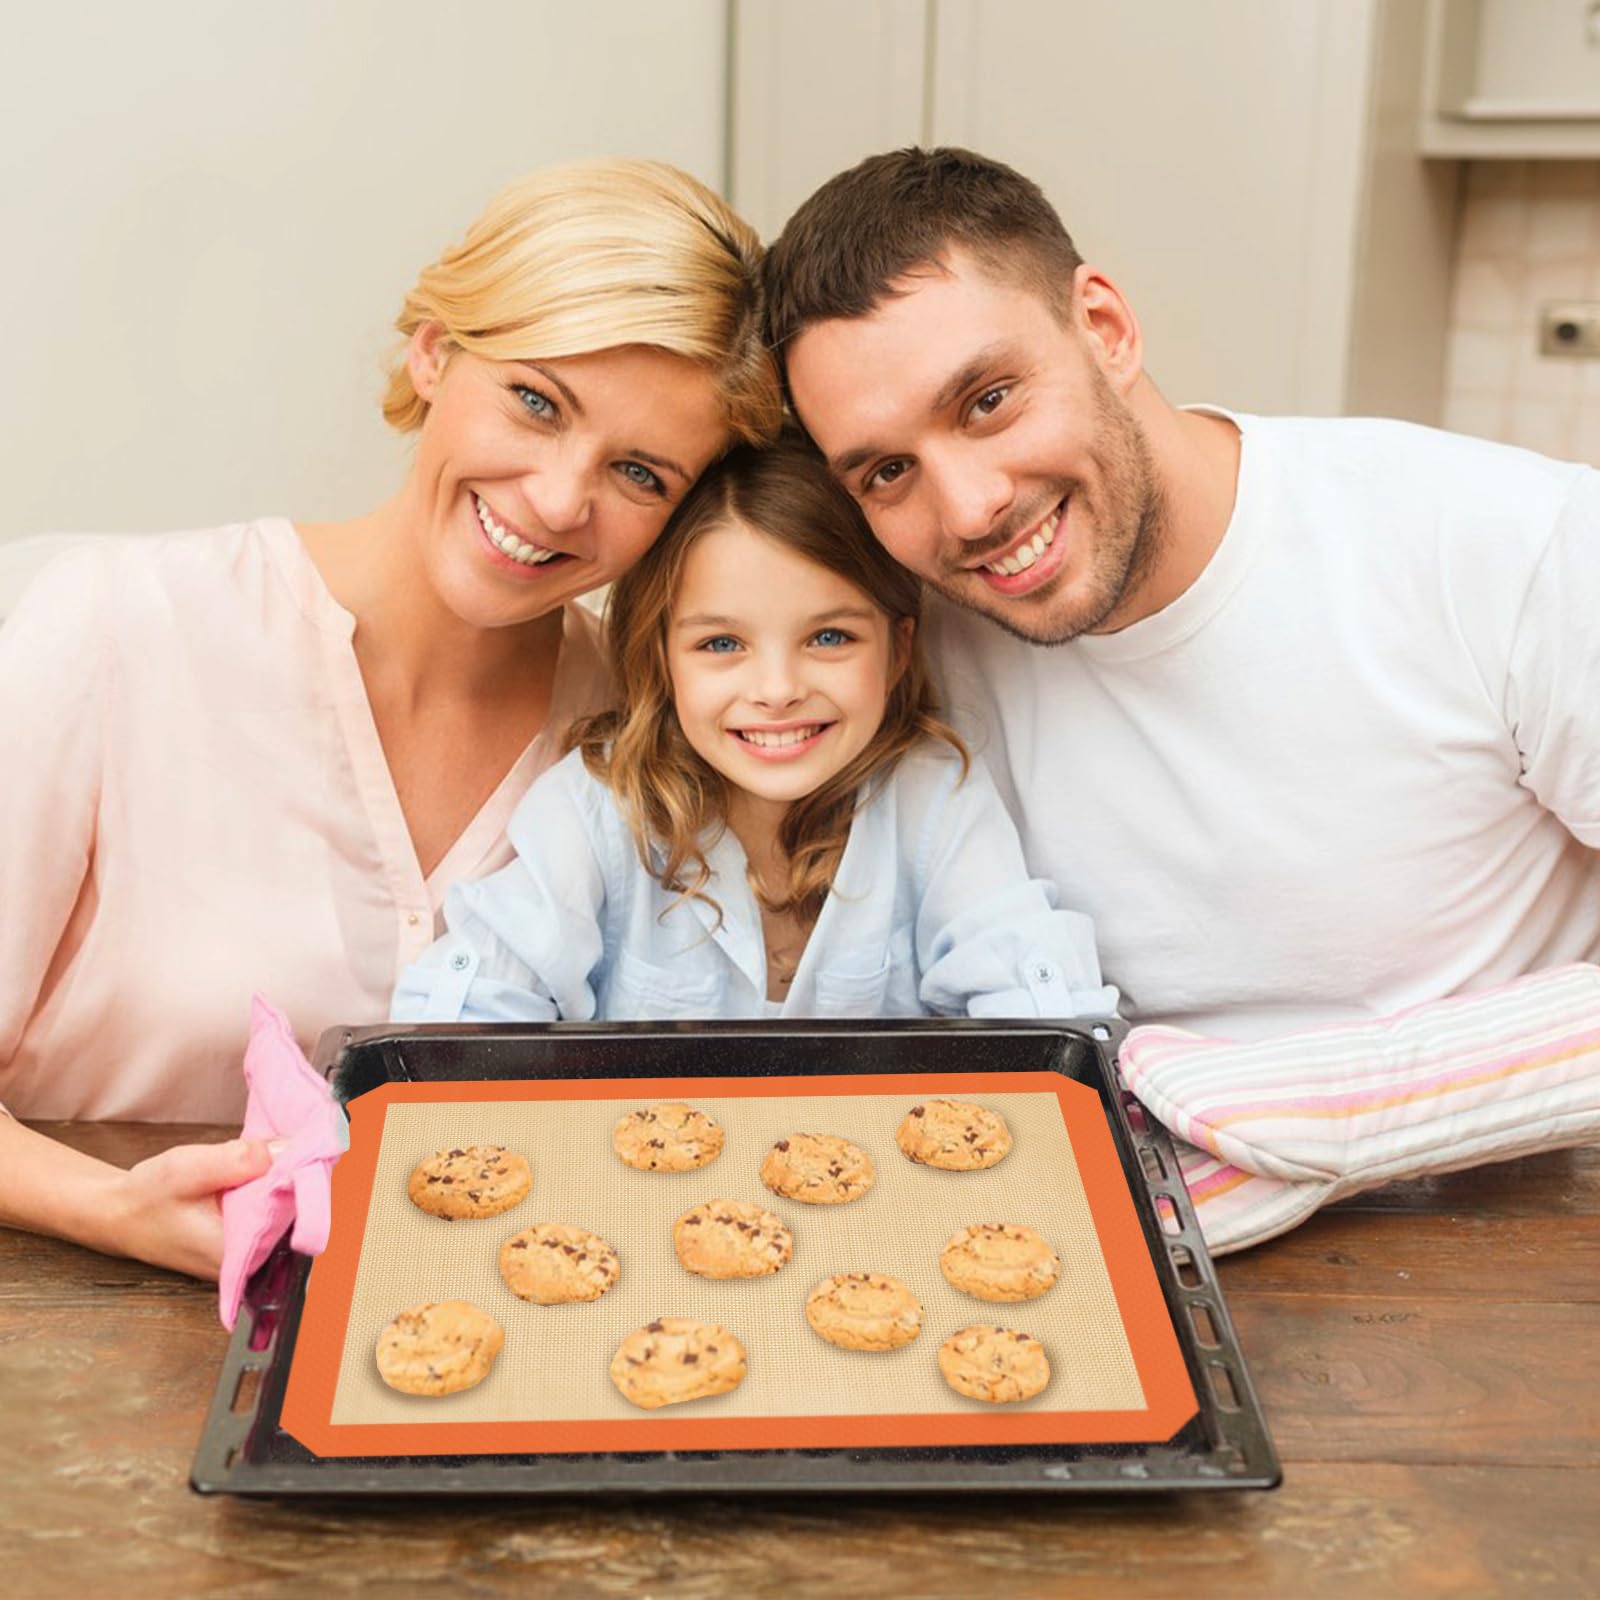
(194, 804)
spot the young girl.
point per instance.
(773, 821)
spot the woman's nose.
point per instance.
(560, 495)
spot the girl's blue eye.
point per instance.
(721, 645)
(536, 403)
(642, 477)
(831, 638)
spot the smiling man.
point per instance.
(1306, 713)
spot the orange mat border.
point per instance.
(314, 1368)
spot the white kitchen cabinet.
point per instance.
(1516, 78)
(1245, 170)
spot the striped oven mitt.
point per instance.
(1273, 1129)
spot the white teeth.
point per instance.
(1025, 557)
(777, 741)
(508, 543)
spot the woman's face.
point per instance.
(536, 481)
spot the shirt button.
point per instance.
(460, 961)
(1044, 972)
(413, 919)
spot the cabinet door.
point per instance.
(1206, 157)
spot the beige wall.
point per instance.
(211, 212)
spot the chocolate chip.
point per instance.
(433, 1180)
(568, 1250)
(458, 1152)
(917, 1111)
(692, 1222)
(656, 1144)
(782, 1144)
(447, 1180)
(655, 1327)
(519, 1244)
(472, 1194)
(689, 1358)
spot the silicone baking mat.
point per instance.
(1117, 1372)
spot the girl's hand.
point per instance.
(167, 1210)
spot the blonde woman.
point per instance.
(256, 757)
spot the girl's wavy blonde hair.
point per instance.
(595, 254)
(670, 796)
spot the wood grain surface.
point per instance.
(1428, 1357)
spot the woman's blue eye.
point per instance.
(831, 638)
(536, 403)
(642, 477)
(721, 645)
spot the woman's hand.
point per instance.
(167, 1210)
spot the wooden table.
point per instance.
(1429, 1360)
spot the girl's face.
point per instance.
(781, 669)
(535, 482)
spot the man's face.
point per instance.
(987, 448)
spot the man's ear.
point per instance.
(1108, 327)
(427, 356)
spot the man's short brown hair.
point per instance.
(841, 252)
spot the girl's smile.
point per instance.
(782, 743)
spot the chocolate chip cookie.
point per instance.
(731, 1239)
(674, 1359)
(480, 1180)
(820, 1169)
(994, 1364)
(864, 1311)
(669, 1137)
(999, 1261)
(554, 1263)
(953, 1135)
(437, 1348)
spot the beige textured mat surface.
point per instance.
(554, 1364)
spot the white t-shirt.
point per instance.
(1354, 768)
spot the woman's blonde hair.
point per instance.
(668, 793)
(595, 254)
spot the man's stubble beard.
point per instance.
(1129, 532)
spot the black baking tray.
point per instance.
(1225, 1445)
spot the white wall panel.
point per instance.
(210, 213)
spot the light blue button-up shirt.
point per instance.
(931, 911)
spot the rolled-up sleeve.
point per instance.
(991, 941)
(54, 684)
(524, 944)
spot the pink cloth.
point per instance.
(194, 803)
(288, 1101)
